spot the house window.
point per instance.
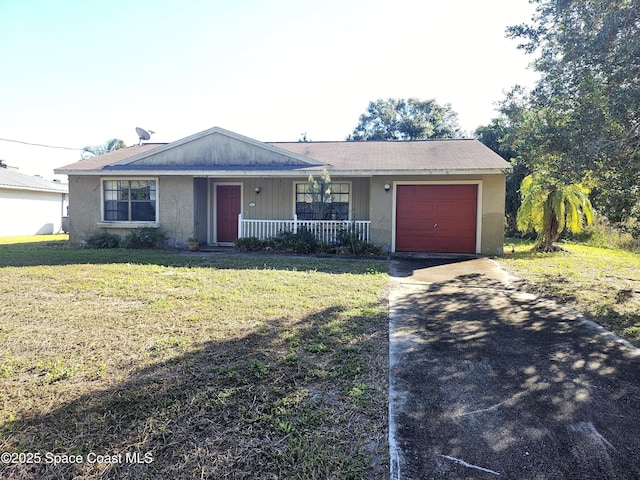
(129, 200)
(334, 207)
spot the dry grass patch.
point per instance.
(212, 366)
(604, 284)
(59, 237)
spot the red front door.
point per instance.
(227, 211)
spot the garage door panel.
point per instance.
(419, 211)
(451, 209)
(436, 218)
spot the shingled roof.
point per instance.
(397, 155)
(12, 180)
(100, 161)
(451, 156)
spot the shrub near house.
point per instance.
(305, 242)
(139, 238)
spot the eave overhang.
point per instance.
(33, 189)
(196, 171)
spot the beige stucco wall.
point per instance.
(84, 207)
(381, 212)
(492, 191)
(493, 200)
(175, 207)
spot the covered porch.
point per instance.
(325, 231)
(226, 209)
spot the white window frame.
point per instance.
(128, 223)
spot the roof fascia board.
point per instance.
(281, 173)
(32, 189)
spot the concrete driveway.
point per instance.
(489, 382)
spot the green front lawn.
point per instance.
(205, 366)
(603, 284)
(213, 366)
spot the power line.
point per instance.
(39, 144)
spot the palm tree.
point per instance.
(320, 193)
(549, 208)
(109, 146)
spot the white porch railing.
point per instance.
(324, 230)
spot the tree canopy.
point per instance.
(493, 136)
(109, 146)
(581, 122)
(406, 119)
(583, 117)
(589, 60)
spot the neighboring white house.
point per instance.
(30, 205)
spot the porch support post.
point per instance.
(295, 223)
(240, 225)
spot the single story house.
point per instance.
(216, 185)
(30, 205)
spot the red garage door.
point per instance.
(436, 218)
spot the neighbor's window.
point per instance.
(129, 200)
(336, 207)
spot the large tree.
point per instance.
(494, 136)
(320, 195)
(551, 196)
(584, 113)
(406, 119)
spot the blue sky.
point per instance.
(77, 73)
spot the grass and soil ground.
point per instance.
(601, 283)
(223, 366)
(155, 364)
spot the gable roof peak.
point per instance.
(215, 147)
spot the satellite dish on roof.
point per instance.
(143, 135)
